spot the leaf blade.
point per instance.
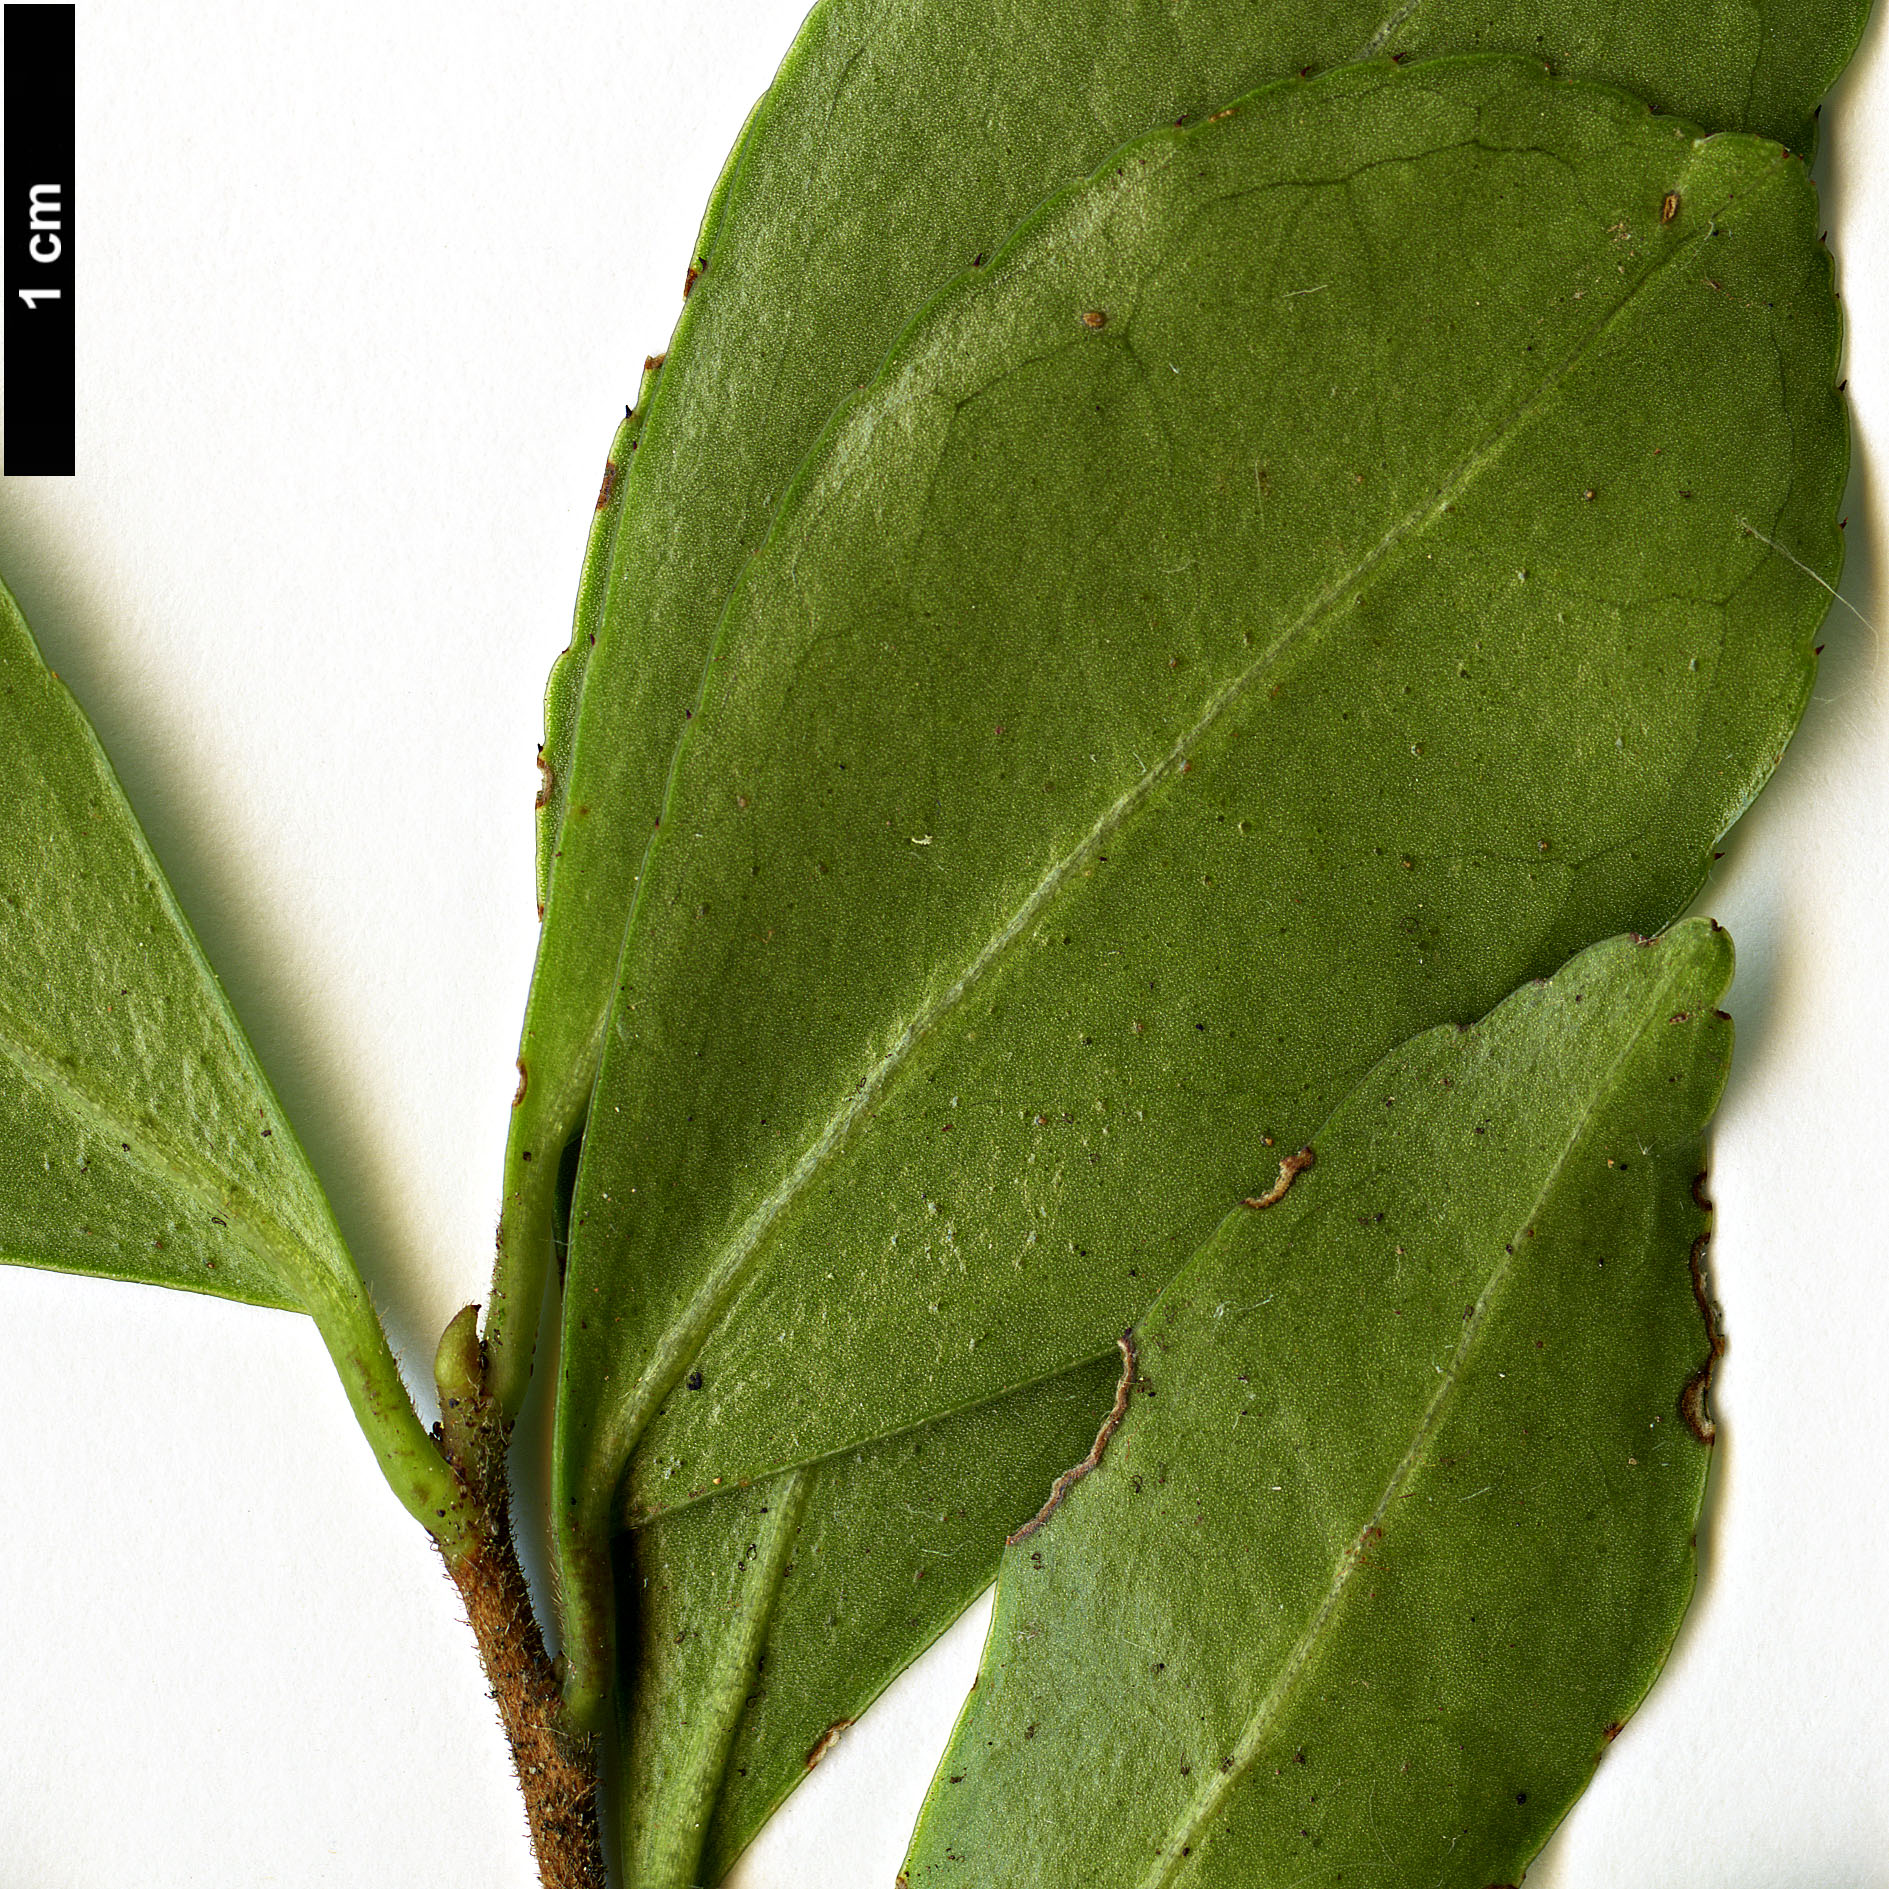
(1582, 59)
(1370, 1615)
(1639, 823)
(928, 114)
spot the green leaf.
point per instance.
(799, 119)
(901, 139)
(1397, 1528)
(564, 690)
(142, 1140)
(1320, 574)
(762, 1622)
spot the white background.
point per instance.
(362, 292)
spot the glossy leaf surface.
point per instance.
(902, 139)
(1398, 1525)
(1284, 600)
(139, 1139)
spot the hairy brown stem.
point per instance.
(556, 1766)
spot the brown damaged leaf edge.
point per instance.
(1693, 1405)
(826, 1741)
(1060, 1489)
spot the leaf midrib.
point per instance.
(699, 1769)
(684, 1338)
(1185, 1832)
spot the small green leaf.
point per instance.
(1304, 585)
(902, 139)
(142, 1141)
(1397, 1528)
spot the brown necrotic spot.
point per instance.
(1289, 1171)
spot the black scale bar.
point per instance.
(38, 237)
